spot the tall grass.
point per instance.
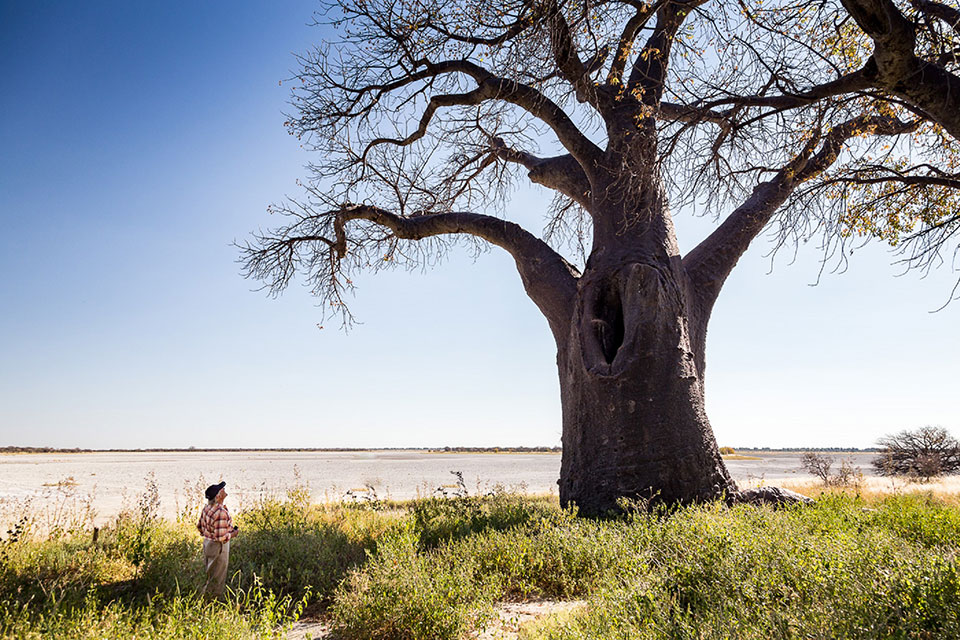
(846, 567)
(835, 570)
(840, 569)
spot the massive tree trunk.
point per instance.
(631, 380)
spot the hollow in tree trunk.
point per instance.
(634, 423)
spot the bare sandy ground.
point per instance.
(511, 616)
(310, 629)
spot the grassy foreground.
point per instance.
(847, 567)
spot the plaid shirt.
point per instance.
(215, 523)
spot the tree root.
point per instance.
(774, 496)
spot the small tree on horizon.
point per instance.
(924, 453)
(808, 119)
(819, 464)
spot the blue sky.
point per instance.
(140, 140)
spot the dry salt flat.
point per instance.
(112, 480)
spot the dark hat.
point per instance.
(213, 490)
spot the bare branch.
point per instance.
(565, 53)
(649, 71)
(526, 16)
(549, 280)
(628, 37)
(532, 101)
(560, 173)
(849, 83)
(949, 15)
(895, 66)
(709, 263)
(688, 113)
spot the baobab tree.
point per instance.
(771, 116)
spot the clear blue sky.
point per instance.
(139, 140)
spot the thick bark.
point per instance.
(895, 67)
(631, 390)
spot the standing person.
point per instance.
(217, 530)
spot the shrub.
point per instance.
(821, 465)
(294, 548)
(818, 464)
(441, 519)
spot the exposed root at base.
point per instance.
(774, 496)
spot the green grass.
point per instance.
(435, 568)
(834, 570)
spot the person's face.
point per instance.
(221, 496)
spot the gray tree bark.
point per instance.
(634, 423)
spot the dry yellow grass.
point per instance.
(946, 488)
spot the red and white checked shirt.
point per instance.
(215, 523)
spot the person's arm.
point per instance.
(233, 530)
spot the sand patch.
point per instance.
(511, 616)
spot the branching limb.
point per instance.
(549, 280)
(568, 62)
(649, 73)
(532, 101)
(895, 67)
(687, 113)
(485, 91)
(710, 262)
(906, 180)
(627, 39)
(490, 88)
(560, 173)
(525, 18)
(850, 83)
(947, 14)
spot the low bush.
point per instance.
(292, 549)
(439, 519)
(402, 592)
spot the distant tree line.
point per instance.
(803, 449)
(42, 450)
(499, 449)
(12, 449)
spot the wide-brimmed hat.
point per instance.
(213, 490)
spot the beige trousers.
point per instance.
(216, 555)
